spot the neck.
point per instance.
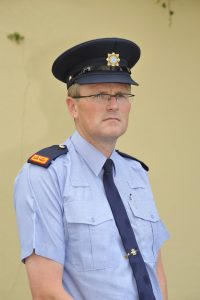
(105, 145)
(105, 148)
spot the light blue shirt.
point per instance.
(63, 214)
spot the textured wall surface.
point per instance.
(164, 122)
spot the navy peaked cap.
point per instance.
(105, 60)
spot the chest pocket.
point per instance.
(145, 221)
(91, 231)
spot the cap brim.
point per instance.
(105, 78)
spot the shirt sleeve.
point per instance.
(39, 211)
(161, 234)
(160, 231)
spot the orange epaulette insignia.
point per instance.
(39, 159)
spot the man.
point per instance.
(73, 213)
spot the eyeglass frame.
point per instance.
(96, 97)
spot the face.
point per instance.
(100, 122)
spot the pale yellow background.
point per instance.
(164, 123)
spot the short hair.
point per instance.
(74, 90)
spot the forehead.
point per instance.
(105, 87)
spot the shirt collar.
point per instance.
(93, 157)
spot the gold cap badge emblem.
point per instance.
(113, 59)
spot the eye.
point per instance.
(98, 96)
(101, 97)
(121, 97)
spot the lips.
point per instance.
(111, 119)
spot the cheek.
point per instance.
(125, 113)
(88, 114)
(92, 111)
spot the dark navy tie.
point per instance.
(140, 273)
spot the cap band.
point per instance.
(98, 69)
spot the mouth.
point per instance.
(112, 119)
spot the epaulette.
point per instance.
(131, 157)
(45, 156)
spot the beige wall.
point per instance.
(164, 124)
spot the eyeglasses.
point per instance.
(104, 98)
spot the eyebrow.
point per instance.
(116, 92)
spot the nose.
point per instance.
(113, 102)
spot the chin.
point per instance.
(114, 134)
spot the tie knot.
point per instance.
(108, 166)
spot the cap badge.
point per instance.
(113, 59)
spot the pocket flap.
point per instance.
(146, 211)
(85, 212)
(78, 182)
(136, 182)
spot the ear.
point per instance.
(72, 106)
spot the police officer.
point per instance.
(70, 215)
